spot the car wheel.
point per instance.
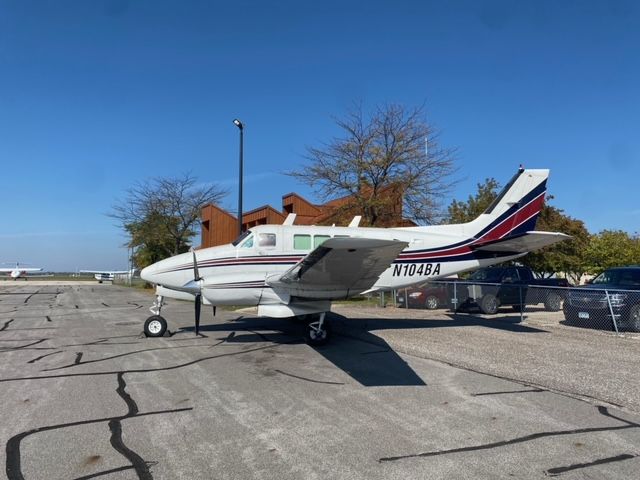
(431, 303)
(634, 318)
(489, 304)
(553, 302)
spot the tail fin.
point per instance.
(515, 211)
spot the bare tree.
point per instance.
(394, 148)
(161, 214)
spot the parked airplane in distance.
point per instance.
(107, 275)
(297, 270)
(20, 271)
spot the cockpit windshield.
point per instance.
(239, 240)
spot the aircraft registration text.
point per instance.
(415, 269)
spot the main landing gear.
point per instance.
(318, 331)
(156, 326)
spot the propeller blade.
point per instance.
(198, 304)
(196, 275)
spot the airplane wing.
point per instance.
(106, 272)
(22, 269)
(339, 268)
(522, 243)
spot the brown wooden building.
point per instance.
(220, 227)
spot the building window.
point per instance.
(302, 242)
(266, 239)
(319, 240)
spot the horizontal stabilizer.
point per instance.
(525, 242)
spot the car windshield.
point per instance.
(622, 277)
(487, 275)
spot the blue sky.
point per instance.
(96, 95)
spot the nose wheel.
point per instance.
(318, 332)
(155, 326)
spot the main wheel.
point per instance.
(553, 302)
(489, 304)
(431, 302)
(155, 326)
(634, 318)
(316, 337)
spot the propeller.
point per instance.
(196, 278)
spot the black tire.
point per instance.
(431, 303)
(553, 302)
(155, 326)
(633, 320)
(313, 338)
(489, 304)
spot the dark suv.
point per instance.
(616, 291)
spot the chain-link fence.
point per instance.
(586, 307)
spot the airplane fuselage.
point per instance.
(239, 275)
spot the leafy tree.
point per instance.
(463, 212)
(160, 215)
(568, 256)
(392, 149)
(612, 248)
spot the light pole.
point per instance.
(238, 124)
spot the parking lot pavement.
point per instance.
(85, 396)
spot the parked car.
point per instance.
(492, 287)
(429, 296)
(615, 291)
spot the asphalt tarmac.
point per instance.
(396, 394)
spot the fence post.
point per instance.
(382, 299)
(395, 294)
(613, 317)
(521, 305)
(406, 299)
(455, 298)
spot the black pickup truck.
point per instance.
(491, 287)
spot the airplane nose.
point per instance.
(147, 273)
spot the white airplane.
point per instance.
(107, 275)
(20, 271)
(297, 270)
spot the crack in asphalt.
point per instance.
(44, 356)
(326, 382)
(526, 438)
(13, 467)
(553, 472)
(6, 324)
(78, 362)
(146, 370)
(26, 347)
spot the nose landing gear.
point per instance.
(156, 326)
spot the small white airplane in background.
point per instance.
(294, 270)
(20, 271)
(107, 275)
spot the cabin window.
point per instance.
(319, 240)
(248, 243)
(302, 242)
(266, 239)
(238, 240)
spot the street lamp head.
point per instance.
(238, 123)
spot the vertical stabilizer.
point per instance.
(515, 211)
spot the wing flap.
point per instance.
(340, 267)
(526, 242)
